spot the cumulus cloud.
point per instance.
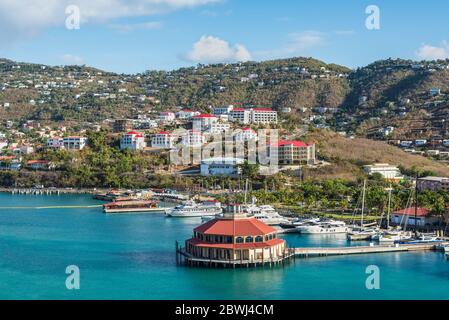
(211, 49)
(297, 43)
(429, 52)
(71, 59)
(25, 18)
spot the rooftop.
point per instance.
(235, 227)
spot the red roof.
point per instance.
(269, 243)
(238, 109)
(135, 133)
(421, 212)
(38, 162)
(237, 227)
(263, 109)
(7, 158)
(204, 116)
(298, 144)
(248, 129)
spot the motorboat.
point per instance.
(326, 227)
(192, 209)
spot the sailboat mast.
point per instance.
(363, 201)
(389, 206)
(416, 206)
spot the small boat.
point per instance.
(133, 207)
(293, 224)
(191, 209)
(329, 227)
(361, 234)
(422, 240)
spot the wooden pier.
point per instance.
(322, 252)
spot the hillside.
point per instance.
(349, 155)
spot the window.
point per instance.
(249, 239)
(239, 240)
(259, 239)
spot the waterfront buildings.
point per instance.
(234, 240)
(163, 140)
(132, 141)
(387, 171)
(407, 217)
(433, 183)
(221, 167)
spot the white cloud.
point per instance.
(428, 52)
(211, 49)
(126, 28)
(26, 18)
(70, 59)
(297, 44)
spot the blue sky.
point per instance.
(136, 35)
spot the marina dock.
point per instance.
(322, 252)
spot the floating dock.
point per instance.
(322, 252)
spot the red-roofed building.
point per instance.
(203, 122)
(132, 140)
(407, 217)
(246, 134)
(296, 152)
(254, 116)
(234, 239)
(186, 114)
(40, 165)
(163, 140)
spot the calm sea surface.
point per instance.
(133, 257)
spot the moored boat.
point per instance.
(191, 209)
(328, 227)
(133, 207)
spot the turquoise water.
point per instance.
(132, 257)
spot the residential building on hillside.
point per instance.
(203, 122)
(167, 117)
(221, 167)
(219, 111)
(254, 116)
(40, 165)
(55, 143)
(246, 134)
(296, 152)
(163, 140)
(74, 143)
(122, 125)
(132, 141)
(193, 138)
(186, 114)
(387, 171)
(433, 183)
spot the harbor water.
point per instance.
(133, 257)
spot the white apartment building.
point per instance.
(387, 171)
(221, 167)
(55, 143)
(163, 140)
(132, 141)
(246, 134)
(254, 116)
(193, 138)
(186, 114)
(167, 117)
(219, 111)
(203, 122)
(74, 143)
(218, 127)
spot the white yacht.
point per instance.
(191, 209)
(266, 214)
(327, 227)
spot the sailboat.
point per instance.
(361, 233)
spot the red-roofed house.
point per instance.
(234, 240)
(407, 217)
(296, 152)
(40, 165)
(132, 140)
